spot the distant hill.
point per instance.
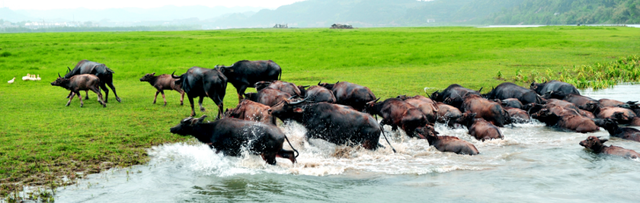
(7, 14)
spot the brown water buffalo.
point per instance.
(453, 95)
(624, 116)
(98, 69)
(287, 87)
(350, 94)
(447, 112)
(268, 96)
(489, 110)
(582, 102)
(80, 82)
(555, 86)
(595, 144)
(518, 115)
(566, 119)
(625, 133)
(398, 113)
(447, 143)
(204, 82)
(251, 111)
(480, 128)
(426, 105)
(161, 83)
(615, 103)
(231, 135)
(245, 73)
(509, 90)
(319, 94)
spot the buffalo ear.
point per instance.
(199, 120)
(603, 140)
(298, 110)
(153, 73)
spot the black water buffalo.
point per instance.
(453, 95)
(287, 87)
(566, 119)
(80, 82)
(163, 82)
(509, 90)
(203, 82)
(595, 144)
(625, 133)
(335, 123)
(447, 143)
(447, 112)
(268, 96)
(251, 111)
(98, 69)
(398, 113)
(510, 102)
(555, 86)
(319, 94)
(245, 73)
(231, 135)
(350, 94)
(428, 107)
(479, 128)
(489, 110)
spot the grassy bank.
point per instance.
(42, 140)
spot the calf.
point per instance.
(231, 135)
(80, 82)
(161, 83)
(396, 112)
(426, 105)
(479, 128)
(595, 144)
(447, 143)
(251, 111)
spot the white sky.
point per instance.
(102, 4)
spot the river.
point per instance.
(533, 163)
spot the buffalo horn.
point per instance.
(59, 75)
(294, 103)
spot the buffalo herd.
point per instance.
(345, 113)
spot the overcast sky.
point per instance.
(101, 4)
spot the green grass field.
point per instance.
(43, 140)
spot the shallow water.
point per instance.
(533, 163)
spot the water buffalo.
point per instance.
(509, 90)
(231, 135)
(615, 103)
(319, 94)
(245, 73)
(510, 102)
(447, 112)
(426, 105)
(517, 115)
(595, 144)
(98, 69)
(287, 87)
(624, 116)
(566, 119)
(625, 133)
(80, 82)
(582, 102)
(448, 143)
(203, 82)
(398, 113)
(350, 94)
(554, 85)
(268, 96)
(334, 123)
(251, 111)
(479, 128)
(489, 110)
(453, 95)
(161, 83)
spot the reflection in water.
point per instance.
(533, 163)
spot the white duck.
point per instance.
(38, 78)
(28, 77)
(11, 81)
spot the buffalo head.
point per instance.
(594, 143)
(148, 77)
(287, 109)
(187, 125)
(59, 81)
(435, 96)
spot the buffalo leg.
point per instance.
(241, 92)
(270, 158)
(156, 97)
(200, 103)
(114, 91)
(71, 98)
(69, 95)
(163, 98)
(193, 113)
(80, 98)
(181, 97)
(106, 92)
(97, 91)
(287, 154)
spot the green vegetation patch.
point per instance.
(43, 141)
